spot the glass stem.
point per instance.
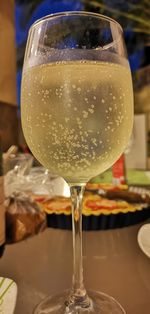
(78, 295)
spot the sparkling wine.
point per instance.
(77, 116)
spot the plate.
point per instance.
(144, 239)
(8, 295)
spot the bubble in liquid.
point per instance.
(85, 114)
(61, 126)
(91, 110)
(86, 133)
(78, 120)
(94, 141)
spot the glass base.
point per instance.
(100, 304)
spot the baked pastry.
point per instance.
(24, 217)
(99, 212)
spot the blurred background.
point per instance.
(17, 17)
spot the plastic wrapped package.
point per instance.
(24, 217)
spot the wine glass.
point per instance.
(77, 115)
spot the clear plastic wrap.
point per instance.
(24, 217)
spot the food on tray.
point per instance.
(99, 212)
(92, 205)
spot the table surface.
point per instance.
(113, 263)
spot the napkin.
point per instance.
(8, 295)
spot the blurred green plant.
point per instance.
(134, 14)
(134, 17)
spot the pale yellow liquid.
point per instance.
(77, 116)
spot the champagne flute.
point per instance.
(77, 116)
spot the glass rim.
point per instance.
(69, 13)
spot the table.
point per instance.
(113, 263)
